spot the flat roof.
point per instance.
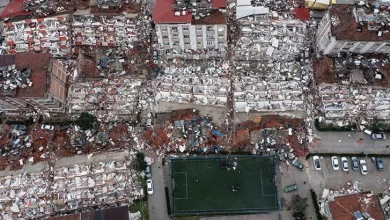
(343, 207)
(346, 29)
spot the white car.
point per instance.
(316, 161)
(344, 164)
(363, 167)
(335, 163)
(149, 186)
(47, 127)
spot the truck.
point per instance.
(298, 164)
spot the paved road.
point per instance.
(349, 142)
(157, 201)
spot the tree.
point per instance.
(299, 204)
(86, 121)
(139, 163)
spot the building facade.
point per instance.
(199, 27)
(353, 29)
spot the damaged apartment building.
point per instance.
(363, 28)
(99, 26)
(32, 83)
(190, 28)
(194, 84)
(275, 45)
(41, 35)
(353, 89)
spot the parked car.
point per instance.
(335, 163)
(65, 127)
(378, 136)
(148, 172)
(298, 164)
(355, 163)
(344, 163)
(47, 127)
(20, 127)
(379, 163)
(149, 186)
(363, 167)
(155, 54)
(290, 188)
(316, 161)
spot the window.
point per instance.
(187, 43)
(166, 43)
(175, 35)
(185, 28)
(210, 36)
(199, 43)
(198, 35)
(175, 42)
(186, 36)
(174, 29)
(220, 35)
(165, 37)
(350, 44)
(199, 29)
(209, 42)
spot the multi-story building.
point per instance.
(357, 29)
(192, 26)
(43, 35)
(32, 83)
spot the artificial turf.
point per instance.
(203, 185)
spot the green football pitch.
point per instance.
(212, 185)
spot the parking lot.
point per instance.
(374, 180)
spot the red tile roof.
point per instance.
(38, 63)
(302, 13)
(163, 13)
(215, 17)
(14, 9)
(343, 207)
(219, 3)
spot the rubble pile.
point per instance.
(107, 99)
(49, 34)
(355, 90)
(270, 86)
(67, 189)
(11, 78)
(24, 195)
(184, 82)
(95, 30)
(84, 186)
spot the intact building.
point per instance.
(360, 29)
(32, 83)
(193, 29)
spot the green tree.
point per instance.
(86, 121)
(299, 204)
(139, 163)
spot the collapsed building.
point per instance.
(268, 33)
(32, 83)
(353, 89)
(194, 84)
(191, 29)
(108, 100)
(44, 35)
(99, 26)
(358, 29)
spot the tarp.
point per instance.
(219, 134)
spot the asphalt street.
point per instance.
(157, 201)
(349, 142)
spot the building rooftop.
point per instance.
(344, 26)
(38, 64)
(215, 17)
(164, 13)
(343, 207)
(179, 12)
